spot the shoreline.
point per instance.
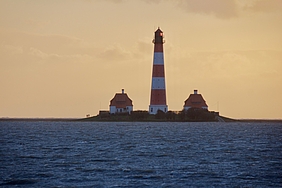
(38, 119)
(157, 120)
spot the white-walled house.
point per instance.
(121, 103)
(195, 101)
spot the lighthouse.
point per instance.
(158, 91)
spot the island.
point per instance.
(190, 115)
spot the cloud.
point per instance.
(19, 49)
(224, 9)
(47, 43)
(219, 8)
(32, 22)
(229, 65)
(50, 49)
(115, 53)
(113, 1)
(144, 47)
(152, 1)
(263, 5)
(47, 48)
(228, 8)
(56, 58)
(10, 49)
(38, 53)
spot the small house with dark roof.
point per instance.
(121, 103)
(195, 101)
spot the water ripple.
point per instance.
(93, 154)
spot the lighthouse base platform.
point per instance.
(153, 109)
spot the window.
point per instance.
(151, 109)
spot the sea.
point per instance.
(140, 154)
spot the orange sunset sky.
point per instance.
(67, 58)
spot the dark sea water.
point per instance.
(117, 154)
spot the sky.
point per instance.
(68, 58)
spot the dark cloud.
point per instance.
(265, 6)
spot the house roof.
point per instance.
(121, 100)
(195, 101)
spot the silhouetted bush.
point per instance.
(196, 114)
(170, 115)
(139, 115)
(160, 115)
(121, 114)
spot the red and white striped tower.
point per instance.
(158, 93)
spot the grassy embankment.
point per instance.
(192, 115)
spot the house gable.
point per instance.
(195, 101)
(121, 103)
